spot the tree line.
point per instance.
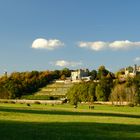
(104, 86)
(108, 88)
(18, 84)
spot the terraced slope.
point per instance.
(57, 89)
(51, 91)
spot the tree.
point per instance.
(91, 92)
(103, 89)
(102, 72)
(82, 92)
(63, 77)
(93, 74)
(73, 94)
(100, 93)
(130, 69)
(119, 93)
(65, 72)
(128, 91)
(56, 74)
(4, 93)
(137, 86)
(23, 83)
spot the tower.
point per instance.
(5, 73)
(135, 69)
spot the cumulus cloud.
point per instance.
(51, 44)
(96, 46)
(115, 45)
(137, 59)
(64, 63)
(124, 44)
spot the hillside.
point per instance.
(51, 91)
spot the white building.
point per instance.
(133, 72)
(79, 74)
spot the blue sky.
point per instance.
(68, 33)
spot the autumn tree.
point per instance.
(23, 83)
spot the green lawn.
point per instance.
(60, 122)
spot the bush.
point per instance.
(131, 105)
(37, 102)
(12, 102)
(53, 98)
(28, 104)
(5, 101)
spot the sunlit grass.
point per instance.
(66, 122)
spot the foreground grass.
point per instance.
(60, 122)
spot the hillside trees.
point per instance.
(4, 93)
(128, 91)
(23, 83)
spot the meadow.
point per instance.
(63, 122)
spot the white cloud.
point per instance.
(51, 44)
(64, 63)
(101, 45)
(96, 46)
(124, 44)
(137, 59)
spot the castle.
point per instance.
(132, 72)
(80, 74)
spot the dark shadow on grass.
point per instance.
(13, 130)
(63, 112)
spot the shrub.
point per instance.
(28, 104)
(5, 101)
(37, 102)
(12, 102)
(131, 105)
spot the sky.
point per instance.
(54, 34)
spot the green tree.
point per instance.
(82, 92)
(65, 72)
(102, 72)
(99, 93)
(93, 74)
(91, 92)
(103, 89)
(73, 94)
(130, 69)
(137, 86)
(4, 93)
(56, 74)
(63, 77)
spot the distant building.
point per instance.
(79, 74)
(129, 72)
(5, 73)
(133, 72)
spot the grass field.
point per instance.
(63, 122)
